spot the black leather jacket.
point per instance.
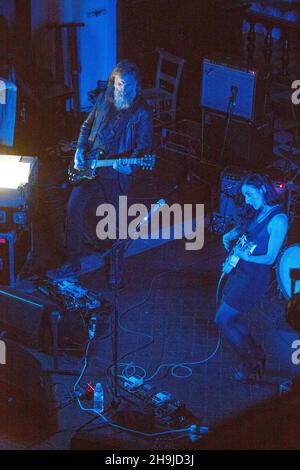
(136, 136)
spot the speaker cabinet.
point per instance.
(28, 320)
(24, 317)
(248, 143)
(222, 82)
(26, 402)
(273, 424)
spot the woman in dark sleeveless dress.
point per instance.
(249, 281)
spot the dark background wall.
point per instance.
(190, 29)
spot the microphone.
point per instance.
(160, 203)
(234, 92)
(154, 209)
(92, 327)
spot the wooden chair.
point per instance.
(163, 98)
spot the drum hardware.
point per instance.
(288, 262)
(291, 187)
(292, 313)
(291, 157)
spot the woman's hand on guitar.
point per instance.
(241, 254)
(122, 167)
(226, 241)
(79, 160)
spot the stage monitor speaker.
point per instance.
(28, 319)
(26, 402)
(226, 80)
(248, 144)
(24, 317)
(273, 424)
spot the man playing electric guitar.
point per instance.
(120, 123)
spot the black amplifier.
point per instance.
(248, 143)
(226, 80)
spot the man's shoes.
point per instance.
(69, 269)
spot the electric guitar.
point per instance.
(94, 161)
(232, 259)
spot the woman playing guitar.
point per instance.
(250, 280)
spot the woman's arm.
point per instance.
(231, 235)
(277, 228)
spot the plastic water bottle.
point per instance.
(98, 398)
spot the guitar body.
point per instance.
(94, 160)
(89, 171)
(78, 176)
(232, 259)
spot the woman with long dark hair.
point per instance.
(249, 281)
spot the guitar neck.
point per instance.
(125, 161)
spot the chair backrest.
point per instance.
(162, 77)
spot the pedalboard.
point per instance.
(160, 404)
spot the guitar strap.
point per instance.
(120, 124)
(97, 121)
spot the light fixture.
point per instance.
(14, 172)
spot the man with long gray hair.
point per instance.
(120, 123)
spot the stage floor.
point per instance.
(167, 309)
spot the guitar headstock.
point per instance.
(148, 162)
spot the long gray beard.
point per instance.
(121, 101)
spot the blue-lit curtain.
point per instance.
(8, 100)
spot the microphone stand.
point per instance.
(231, 105)
(114, 272)
(114, 282)
(117, 247)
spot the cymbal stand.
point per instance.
(290, 187)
